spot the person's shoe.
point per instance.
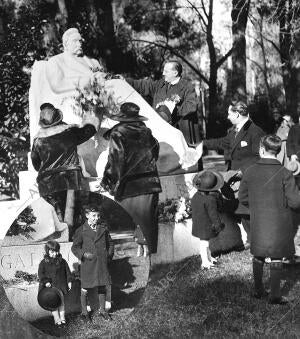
(246, 246)
(105, 315)
(278, 301)
(107, 305)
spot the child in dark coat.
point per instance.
(93, 246)
(270, 192)
(205, 215)
(54, 271)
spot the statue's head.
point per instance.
(72, 41)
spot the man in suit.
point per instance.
(241, 144)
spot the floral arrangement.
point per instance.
(174, 210)
(95, 97)
(175, 98)
(170, 102)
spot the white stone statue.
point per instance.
(55, 81)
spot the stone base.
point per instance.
(23, 297)
(175, 242)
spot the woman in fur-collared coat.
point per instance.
(131, 174)
(54, 151)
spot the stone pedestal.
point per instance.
(175, 242)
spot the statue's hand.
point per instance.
(92, 119)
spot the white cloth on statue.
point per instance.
(47, 222)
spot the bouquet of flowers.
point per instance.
(95, 98)
(174, 210)
(170, 102)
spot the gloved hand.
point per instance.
(92, 119)
(217, 228)
(88, 255)
(48, 284)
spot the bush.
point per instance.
(22, 45)
(22, 225)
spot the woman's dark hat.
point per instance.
(49, 298)
(164, 112)
(50, 116)
(128, 112)
(208, 181)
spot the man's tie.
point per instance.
(235, 131)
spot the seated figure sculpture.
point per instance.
(56, 80)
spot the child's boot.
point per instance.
(102, 311)
(108, 297)
(145, 249)
(275, 276)
(257, 267)
(83, 301)
(56, 317)
(206, 264)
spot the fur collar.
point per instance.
(48, 132)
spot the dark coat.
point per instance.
(54, 156)
(293, 141)
(205, 215)
(241, 150)
(131, 167)
(270, 191)
(93, 272)
(56, 271)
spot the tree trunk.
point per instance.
(239, 16)
(213, 71)
(288, 51)
(108, 41)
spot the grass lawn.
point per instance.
(181, 300)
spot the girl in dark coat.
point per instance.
(270, 192)
(205, 215)
(93, 246)
(54, 271)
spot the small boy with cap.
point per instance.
(93, 246)
(206, 204)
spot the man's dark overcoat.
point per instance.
(93, 272)
(55, 271)
(54, 156)
(131, 167)
(240, 150)
(270, 191)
